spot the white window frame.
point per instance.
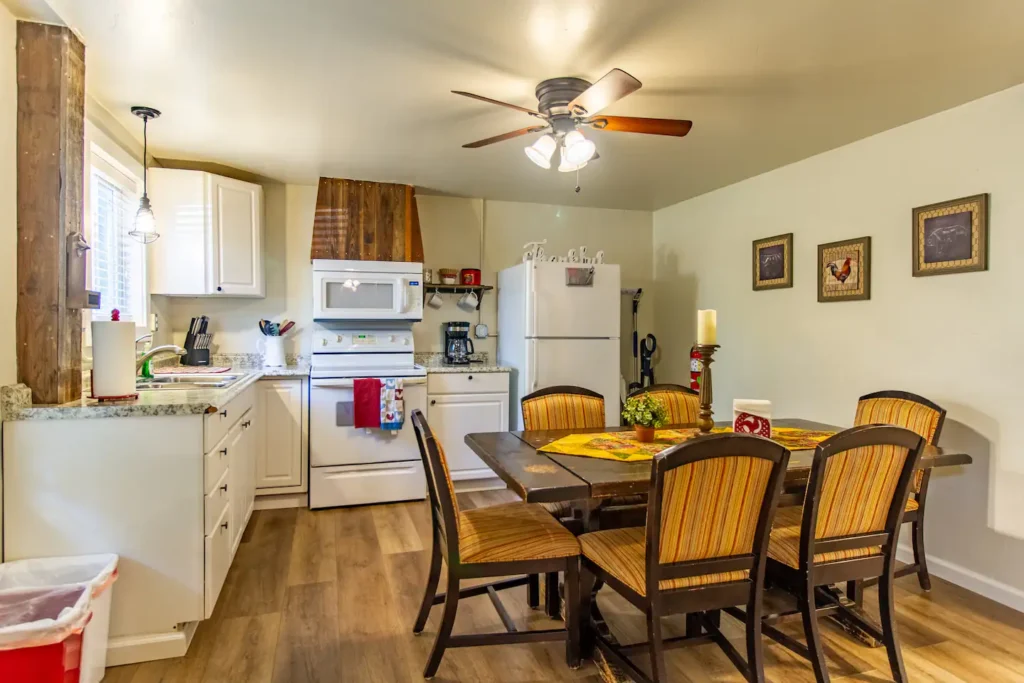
(112, 154)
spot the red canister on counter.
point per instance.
(470, 276)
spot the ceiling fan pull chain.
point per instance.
(577, 181)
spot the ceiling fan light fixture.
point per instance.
(578, 149)
(565, 166)
(541, 151)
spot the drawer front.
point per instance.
(216, 464)
(217, 502)
(467, 383)
(363, 484)
(218, 559)
(217, 424)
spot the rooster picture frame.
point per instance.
(773, 262)
(844, 270)
(951, 237)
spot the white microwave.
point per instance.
(367, 290)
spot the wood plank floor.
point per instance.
(331, 596)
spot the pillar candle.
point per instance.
(707, 327)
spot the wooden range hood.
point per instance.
(366, 221)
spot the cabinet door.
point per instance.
(278, 433)
(235, 445)
(452, 416)
(237, 216)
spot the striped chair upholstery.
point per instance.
(902, 409)
(563, 411)
(682, 404)
(857, 491)
(709, 510)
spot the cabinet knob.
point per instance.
(471, 378)
(220, 289)
(433, 402)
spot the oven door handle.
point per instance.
(347, 383)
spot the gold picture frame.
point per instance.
(951, 237)
(773, 262)
(844, 270)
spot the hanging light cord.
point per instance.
(145, 156)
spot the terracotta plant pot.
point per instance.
(644, 434)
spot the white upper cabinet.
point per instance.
(211, 235)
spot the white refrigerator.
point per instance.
(558, 323)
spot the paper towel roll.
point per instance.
(113, 358)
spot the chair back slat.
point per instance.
(859, 483)
(903, 409)
(444, 503)
(712, 501)
(563, 407)
(682, 403)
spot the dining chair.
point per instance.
(682, 403)
(845, 531)
(498, 541)
(921, 416)
(704, 547)
(559, 407)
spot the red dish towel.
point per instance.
(366, 403)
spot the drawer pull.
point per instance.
(223, 452)
(224, 525)
(223, 413)
(224, 488)
(247, 424)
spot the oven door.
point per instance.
(334, 441)
(367, 296)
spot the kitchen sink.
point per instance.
(172, 382)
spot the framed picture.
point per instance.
(773, 262)
(951, 237)
(844, 270)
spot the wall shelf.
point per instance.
(458, 289)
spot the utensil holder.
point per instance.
(273, 352)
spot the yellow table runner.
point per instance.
(624, 447)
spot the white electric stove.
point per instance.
(355, 466)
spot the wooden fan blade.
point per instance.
(633, 124)
(504, 136)
(498, 102)
(612, 87)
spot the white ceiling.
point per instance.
(360, 88)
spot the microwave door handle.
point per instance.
(405, 296)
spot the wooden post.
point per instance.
(51, 155)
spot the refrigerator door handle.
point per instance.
(531, 366)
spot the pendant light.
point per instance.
(578, 149)
(145, 222)
(541, 151)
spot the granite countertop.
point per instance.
(434, 363)
(149, 403)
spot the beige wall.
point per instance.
(457, 233)
(8, 196)
(955, 339)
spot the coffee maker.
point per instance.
(457, 344)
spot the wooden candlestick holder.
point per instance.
(707, 352)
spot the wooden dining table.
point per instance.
(589, 483)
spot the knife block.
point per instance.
(196, 357)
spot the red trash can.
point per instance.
(41, 633)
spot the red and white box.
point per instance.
(752, 416)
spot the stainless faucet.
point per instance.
(167, 348)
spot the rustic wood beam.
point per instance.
(368, 221)
(51, 156)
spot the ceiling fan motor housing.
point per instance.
(555, 94)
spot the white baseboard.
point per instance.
(992, 589)
(149, 647)
(282, 500)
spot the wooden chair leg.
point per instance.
(755, 648)
(533, 591)
(655, 644)
(919, 556)
(809, 612)
(887, 615)
(586, 598)
(431, 590)
(444, 631)
(552, 596)
(572, 613)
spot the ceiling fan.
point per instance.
(566, 104)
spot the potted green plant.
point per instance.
(646, 414)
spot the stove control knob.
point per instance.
(323, 342)
(340, 338)
(405, 341)
(391, 339)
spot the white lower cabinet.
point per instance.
(241, 476)
(280, 441)
(454, 410)
(218, 558)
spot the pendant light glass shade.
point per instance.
(578, 149)
(565, 166)
(144, 229)
(541, 151)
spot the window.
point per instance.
(116, 261)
